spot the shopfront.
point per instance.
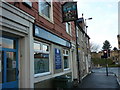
(15, 39)
(51, 57)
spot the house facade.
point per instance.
(36, 46)
(83, 48)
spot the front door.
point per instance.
(9, 63)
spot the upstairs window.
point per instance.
(45, 8)
(68, 28)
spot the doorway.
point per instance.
(9, 62)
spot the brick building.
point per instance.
(36, 46)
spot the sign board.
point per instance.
(13, 64)
(69, 11)
(58, 62)
(44, 34)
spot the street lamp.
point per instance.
(88, 38)
(85, 23)
(88, 19)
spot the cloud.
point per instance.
(104, 25)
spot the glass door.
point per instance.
(1, 67)
(9, 63)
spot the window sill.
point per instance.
(69, 34)
(41, 74)
(66, 69)
(45, 17)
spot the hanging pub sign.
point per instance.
(69, 11)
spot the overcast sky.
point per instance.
(104, 25)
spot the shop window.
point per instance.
(37, 46)
(45, 48)
(41, 58)
(45, 8)
(68, 28)
(66, 59)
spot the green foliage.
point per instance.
(106, 45)
(115, 49)
(102, 62)
(114, 65)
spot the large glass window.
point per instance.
(45, 7)
(66, 59)
(41, 58)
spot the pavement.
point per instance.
(100, 80)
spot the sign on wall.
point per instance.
(58, 62)
(69, 11)
(44, 34)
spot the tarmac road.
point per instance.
(100, 80)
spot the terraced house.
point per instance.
(36, 46)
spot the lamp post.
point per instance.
(87, 44)
(85, 23)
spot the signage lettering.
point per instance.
(58, 63)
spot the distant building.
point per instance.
(114, 55)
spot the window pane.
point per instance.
(44, 8)
(68, 28)
(63, 51)
(45, 48)
(66, 63)
(37, 46)
(11, 66)
(67, 53)
(41, 63)
(7, 43)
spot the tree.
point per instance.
(115, 49)
(94, 47)
(106, 45)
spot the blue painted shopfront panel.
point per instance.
(9, 63)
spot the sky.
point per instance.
(104, 25)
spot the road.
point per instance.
(99, 80)
(114, 70)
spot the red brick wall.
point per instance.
(57, 27)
